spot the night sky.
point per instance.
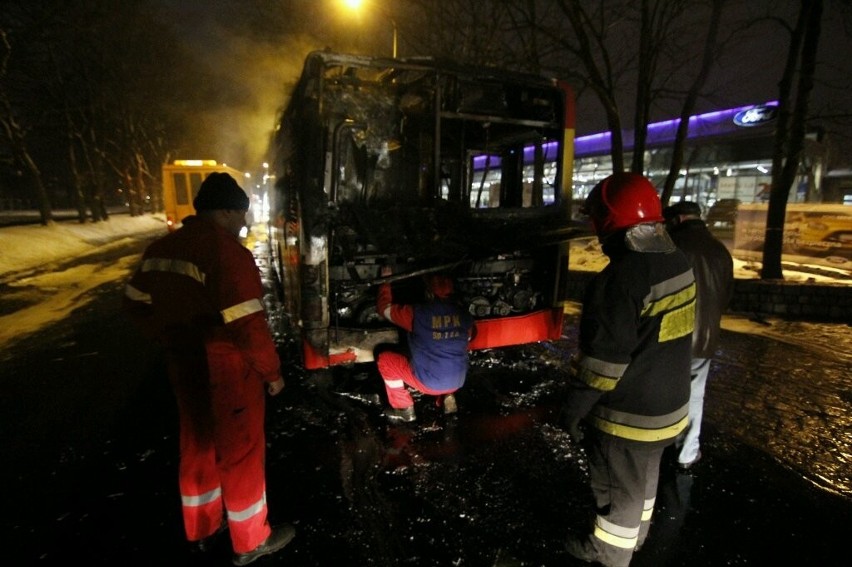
(256, 49)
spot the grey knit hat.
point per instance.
(220, 191)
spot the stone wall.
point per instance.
(789, 300)
(794, 300)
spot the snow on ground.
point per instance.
(37, 291)
(586, 255)
(24, 248)
(30, 257)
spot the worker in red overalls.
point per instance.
(198, 293)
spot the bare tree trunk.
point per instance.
(17, 142)
(44, 207)
(132, 193)
(31, 171)
(579, 22)
(146, 180)
(79, 197)
(790, 132)
(644, 79)
(691, 97)
(94, 166)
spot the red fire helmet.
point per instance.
(620, 201)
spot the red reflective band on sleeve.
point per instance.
(543, 325)
(174, 266)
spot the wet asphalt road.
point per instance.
(89, 426)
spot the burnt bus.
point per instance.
(426, 166)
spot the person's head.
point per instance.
(439, 285)
(620, 201)
(680, 211)
(222, 200)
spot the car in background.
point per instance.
(723, 214)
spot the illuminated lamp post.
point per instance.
(267, 177)
(356, 5)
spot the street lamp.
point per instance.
(265, 177)
(393, 23)
(356, 5)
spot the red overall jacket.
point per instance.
(198, 293)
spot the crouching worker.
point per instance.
(435, 359)
(198, 294)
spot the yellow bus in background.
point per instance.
(181, 181)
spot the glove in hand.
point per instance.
(574, 430)
(571, 424)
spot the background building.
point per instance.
(728, 156)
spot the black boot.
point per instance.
(280, 536)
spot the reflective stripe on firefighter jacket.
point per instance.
(637, 316)
(198, 293)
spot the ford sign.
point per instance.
(755, 116)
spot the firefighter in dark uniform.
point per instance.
(198, 293)
(630, 376)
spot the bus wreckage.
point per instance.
(424, 166)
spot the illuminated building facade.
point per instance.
(728, 156)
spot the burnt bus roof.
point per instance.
(430, 64)
(469, 97)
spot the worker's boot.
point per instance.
(280, 536)
(580, 548)
(450, 406)
(404, 415)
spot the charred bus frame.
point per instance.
(426, 166)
